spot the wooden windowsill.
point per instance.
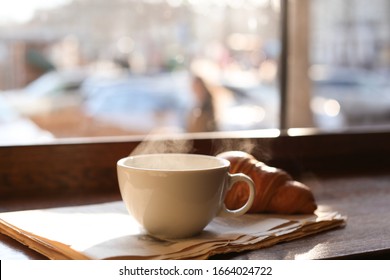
(363, 198)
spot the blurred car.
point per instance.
(254, 106)
(15, 129)
(139, 102)
(348, 97)
(51, 91)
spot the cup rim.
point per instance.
(224, 162)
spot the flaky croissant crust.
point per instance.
(276, 191)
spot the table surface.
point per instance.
(363, 198)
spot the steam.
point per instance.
(155, 145)
(257, 147)
(244, 145)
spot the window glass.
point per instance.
(74, 68)
(350, 63)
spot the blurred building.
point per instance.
(150, 35)
(351, 33)
(22, 60)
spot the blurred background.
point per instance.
(84, 68)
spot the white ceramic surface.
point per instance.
(177, 195)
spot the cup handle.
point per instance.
(234, 178)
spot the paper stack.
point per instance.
(107, 231)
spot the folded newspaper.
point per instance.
(107, 231)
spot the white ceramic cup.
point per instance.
(177, 195)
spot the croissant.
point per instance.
(276, 191)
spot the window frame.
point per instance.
(89, 167)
